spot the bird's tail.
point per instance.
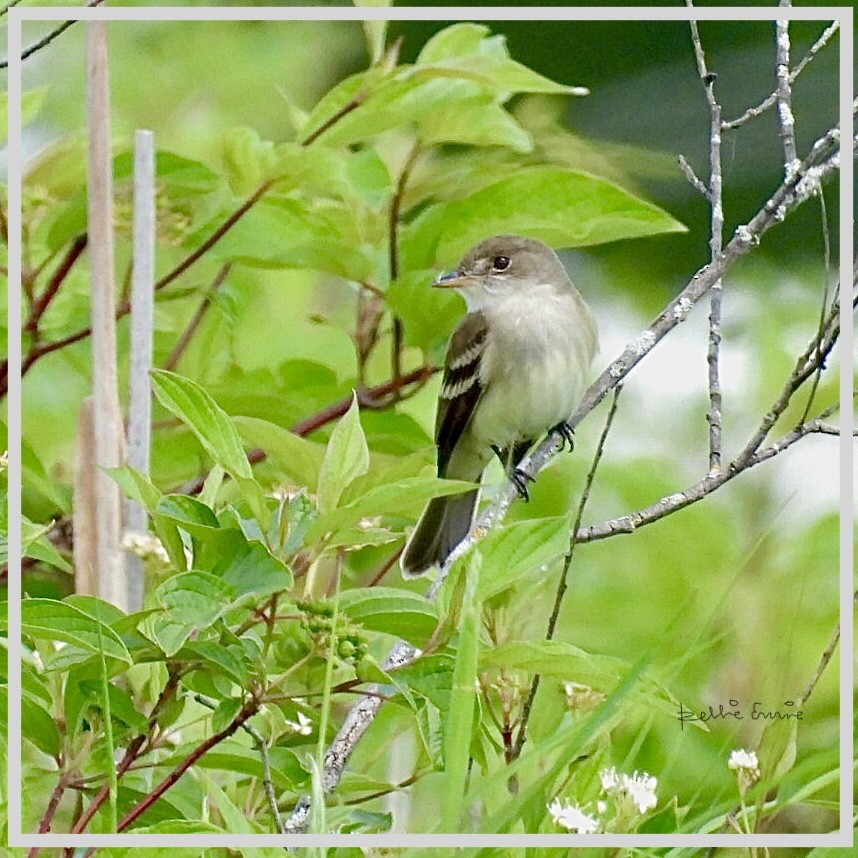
(444, 524)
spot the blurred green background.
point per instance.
(736, 597)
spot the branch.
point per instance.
(31, 325)
(769, 101)
(42, 349)
(393, 251)
(188, 334)
(783, 93)
(267, 782)
(246, 711)
(715, 197)
(44, 42)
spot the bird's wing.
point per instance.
(461, 388)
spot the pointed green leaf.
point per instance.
(346, 457)
(299, 458)
(397, 612)
(46, 619)
(564, 208)
(206, 419)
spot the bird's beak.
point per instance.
(454, 280)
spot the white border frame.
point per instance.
(16, 15)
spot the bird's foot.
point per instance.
(520, 479)
(567, 433)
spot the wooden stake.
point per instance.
(107, 423)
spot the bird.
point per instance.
(515, 368)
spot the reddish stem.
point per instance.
(247, 710)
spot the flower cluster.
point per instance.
(746, 766)
(145, 546)
(626, 799)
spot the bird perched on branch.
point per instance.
(516, 367)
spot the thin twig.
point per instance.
(246, 712)
(51, 809)
(770, 100)
(8, 6)
(46, 40)
(715, 196)
(823, 663)
(262, 747)
(521, 736)
(694, 181)
(393, 253)
(783, 93)
(133, 752)
(42, 302)
(193, 325)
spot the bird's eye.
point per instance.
(500, 263)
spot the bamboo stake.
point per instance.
(142, 298)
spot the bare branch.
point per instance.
(783, 93)
(769, 101)
(715, 196)
(693, 180)
(46, 40)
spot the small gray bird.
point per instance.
(516, 367)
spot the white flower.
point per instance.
(601, 807)
(746, 766)
(641, 789)
(145, 546)
(4, 461)
(571, 817)
(609, 778)
(743, 759)
(304, 725)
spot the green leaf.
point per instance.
(289, 233)
(375, 31)
(206, 419)
(195, 597)
(459, 725)
(369, 177)
(216, 657)
(139, 488)
(564, 208)
(346, 457)
(248, 159)
(428, 315)
(46, 619)
(31, 104)
(395, 612)
(477, 121)
(121, 705)
(565, 661)
(411, 492)
(37, 726)
(518, 549)
(225, 712)
(299, 458)
(468, 50)
(250, 569)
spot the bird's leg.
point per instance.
(519, 477)
(567, 433)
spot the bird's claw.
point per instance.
(568, 435)
(520, 480)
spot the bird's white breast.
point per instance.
(535, 365)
